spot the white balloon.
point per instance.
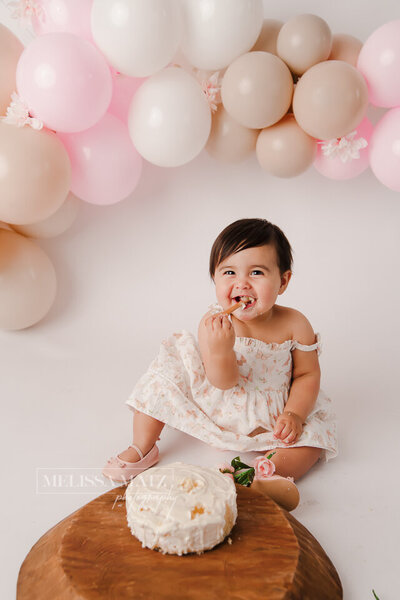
(218, 31)
(169, 118)
(56, 224)
(138, 37)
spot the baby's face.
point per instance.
(253, 272)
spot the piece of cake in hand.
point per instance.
(181, 508)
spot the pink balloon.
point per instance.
(333, 167)
(72, 16)
(105, 165)
(65, 81)
(384, 150)
(124, 88)
(379, 62)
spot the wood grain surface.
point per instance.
(92, 555)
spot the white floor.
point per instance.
(130, 274)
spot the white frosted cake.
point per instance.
(181, 508)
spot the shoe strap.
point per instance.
(138, 450)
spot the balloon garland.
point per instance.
(107, 83)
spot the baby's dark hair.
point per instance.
(249, 233)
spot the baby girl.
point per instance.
(251, 382)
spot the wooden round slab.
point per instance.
(92, 555)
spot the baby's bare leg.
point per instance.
(146, 431)
(294, 462)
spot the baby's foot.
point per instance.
(132, 455)
(129, 455)
(282, 490)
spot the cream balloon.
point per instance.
(10, 51)
(169, 118)
(285, 150)
(54, 225)
(138, 37)
(35, 174)
(345, 47)
(268, 37)
(303, 42)
(229, 141)
(27, 282)
(257, 89)
(330, 100)
(218, 31)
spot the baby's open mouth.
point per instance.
(249, 300)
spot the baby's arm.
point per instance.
(305, 384)
(216, 340)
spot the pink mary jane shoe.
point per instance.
(122, 471)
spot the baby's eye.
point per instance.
(257, 272)
(229, 272)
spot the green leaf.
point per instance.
(245, 477)
(237, 464)
(270, 455)
(375, 596)
(242, 479)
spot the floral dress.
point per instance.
(176, 391)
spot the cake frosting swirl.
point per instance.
(180, 508)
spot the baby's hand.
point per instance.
(288, 427)
(220, 334)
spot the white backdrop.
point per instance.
(130, 274)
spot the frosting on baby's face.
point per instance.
(252, 273)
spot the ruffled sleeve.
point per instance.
(317, 346)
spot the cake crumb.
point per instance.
(198, 510)
(229, 540)
(188, 484)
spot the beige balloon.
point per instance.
(345, 47)
(54, 225)
(229, 141)
(35, 174)
(330, 100)
(268, 37)
(257, 89)
(285, 150)
(27, 282)
(10, 51)
(303, 42)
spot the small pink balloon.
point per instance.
(124, 88)
(334, 167)
(105, 165)
(379, 62)
(65, 81)
(384, 153)
(72, 16)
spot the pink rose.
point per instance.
(225, 468)
(264, 467)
